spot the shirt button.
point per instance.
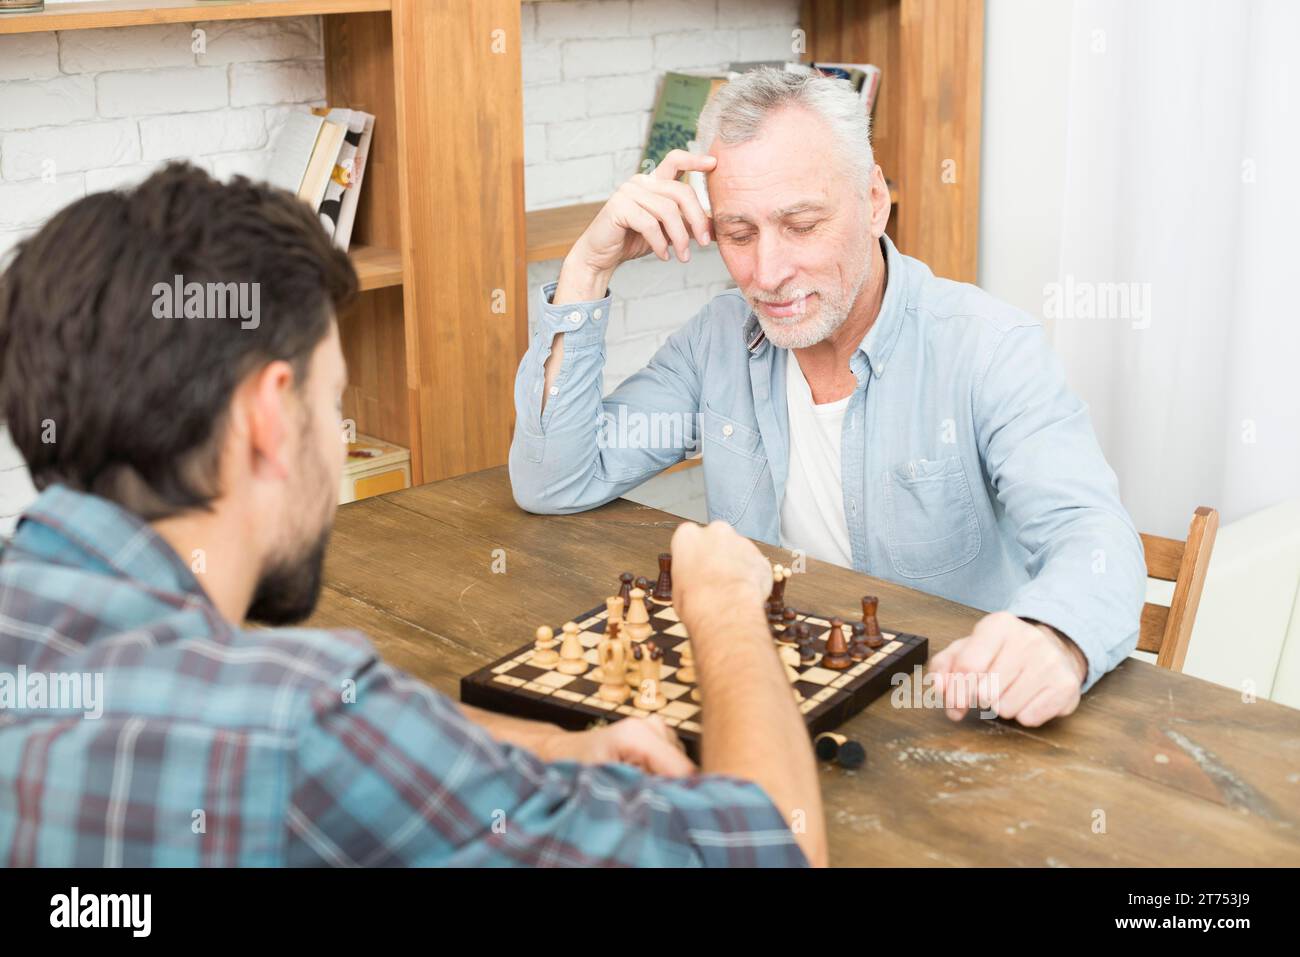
(597, 313)
(555, 390)
(727, 430)
(575, 317)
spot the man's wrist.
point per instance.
(579, 282)
(1077, 658)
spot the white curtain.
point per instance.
(1177, 305)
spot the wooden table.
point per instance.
(1154, 768)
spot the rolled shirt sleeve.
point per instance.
(579, 451)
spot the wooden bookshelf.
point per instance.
(552, 231)
(94, 14)
(442, 241)
(377, 266)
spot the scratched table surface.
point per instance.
(1153, 769)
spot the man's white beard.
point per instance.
(799, 332)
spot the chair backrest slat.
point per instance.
(1166, 632)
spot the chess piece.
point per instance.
(775, 600)
(788, 619)
(790, 660)
(686, 666)
(544, 654)
(613, 667)
(637, 623)
(838, 748)
(625, 587)
(836, 656)
(614, 613)
(611, 636)
(778, 586)
(650, 698)
(664, 586)
(858, 649)
(572, 661)
(807, 652)
(869, 605)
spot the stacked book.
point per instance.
(683, 95)
(321, 156)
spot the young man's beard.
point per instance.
(287, 591)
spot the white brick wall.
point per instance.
(89, 110)
(591, 75)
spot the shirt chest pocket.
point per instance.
(733, 463)
(931, 527)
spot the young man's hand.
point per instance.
(645, 743)
(715, 573)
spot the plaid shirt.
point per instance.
(221, 746)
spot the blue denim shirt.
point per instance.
(969, 468)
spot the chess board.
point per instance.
(514, 685)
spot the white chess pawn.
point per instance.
(544, 648)
(686, 667)
(572, 661)
(637, 623)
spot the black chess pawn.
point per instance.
(846, 753)
(858, 649)
(870, 603)
(807, 652)
(836, 657)
(788, 619)
(625, 589)
(664, 586)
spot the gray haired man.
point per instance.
(852, 405)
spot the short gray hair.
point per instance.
(737, 110)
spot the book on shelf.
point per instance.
(864, 77)
(321, 167)
(291, 154)
(321, 158)
(339, 206)
(683, 94)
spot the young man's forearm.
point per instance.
(751, 726)
(531, 735)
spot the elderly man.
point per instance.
(852, 405)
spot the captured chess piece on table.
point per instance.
(830, 746)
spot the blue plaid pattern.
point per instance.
(219, 746)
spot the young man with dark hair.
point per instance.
(189, 455)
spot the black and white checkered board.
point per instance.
(514, 685)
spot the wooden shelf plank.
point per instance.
(93, 14)
(551, 232)
(376, 266)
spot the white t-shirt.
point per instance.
(812, 512)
